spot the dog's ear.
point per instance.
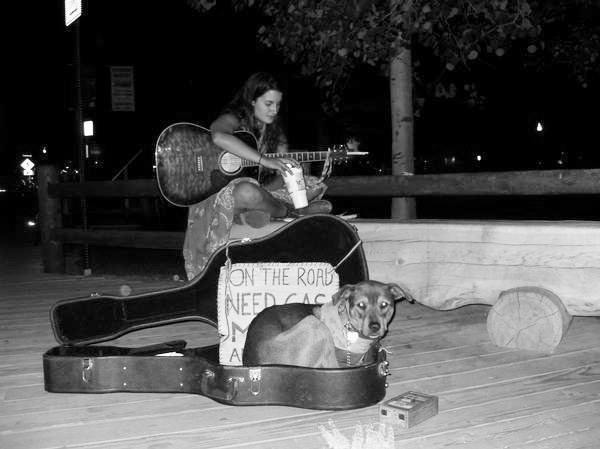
(343, 293)
(399, 293)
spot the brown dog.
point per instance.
(336, 334)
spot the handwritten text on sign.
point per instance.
(246, 289)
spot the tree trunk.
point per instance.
(402, 127)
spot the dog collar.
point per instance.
(352, 333)
(347, 340)
(355, 344)
(343, 309)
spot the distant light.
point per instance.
(478, 157)
(539, 128)
(31, 223)
(44, 150)
(3, 190)
(88, 128)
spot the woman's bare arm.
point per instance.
(222, 135)
(222, 130)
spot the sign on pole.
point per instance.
(72, 11)
(122, 88)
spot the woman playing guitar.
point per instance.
(255, 109)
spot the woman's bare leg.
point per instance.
(256, 206)
(249, 196)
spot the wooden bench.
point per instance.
(535, 274)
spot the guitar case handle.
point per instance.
(209, 387)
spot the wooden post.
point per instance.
(50, 218)
(402, 127)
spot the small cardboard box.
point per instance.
(408, 409)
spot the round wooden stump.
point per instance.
(529, 318)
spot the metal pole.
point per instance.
(80, 143)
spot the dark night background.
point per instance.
(188, 65)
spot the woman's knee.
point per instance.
(247, 195)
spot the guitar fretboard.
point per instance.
(304, 156)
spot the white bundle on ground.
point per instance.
(365, 437)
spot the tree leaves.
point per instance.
(373, 31)
(328, 38)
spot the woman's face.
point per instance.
(266, 106)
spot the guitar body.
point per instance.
(190, 167)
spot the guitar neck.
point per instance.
(300, 156)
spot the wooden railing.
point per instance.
(51, 192)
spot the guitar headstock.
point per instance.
(342, 153)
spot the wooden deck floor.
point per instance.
(489, 397)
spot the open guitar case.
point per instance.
(79, 365)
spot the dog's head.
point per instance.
(370, 305)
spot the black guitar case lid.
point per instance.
(77, 367)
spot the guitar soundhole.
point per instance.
(230, 163)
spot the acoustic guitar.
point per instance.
(190, 167)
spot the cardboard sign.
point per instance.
(245, 289)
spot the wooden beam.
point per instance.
(122, 238)
(546, 182)
(446, 264)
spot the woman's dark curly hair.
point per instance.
(241, 105)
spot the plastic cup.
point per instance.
(295, 185)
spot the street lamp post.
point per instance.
(73, 10)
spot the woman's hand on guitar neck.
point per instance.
(280, 165)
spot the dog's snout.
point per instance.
(374, 326)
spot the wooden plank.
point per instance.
(544, 182)
(301, 430)
(549, 428)
(469, 383)
(489, 396)
(467, 395)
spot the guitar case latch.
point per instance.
(255, 375)
(86, 369)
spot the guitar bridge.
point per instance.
(199, 164)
